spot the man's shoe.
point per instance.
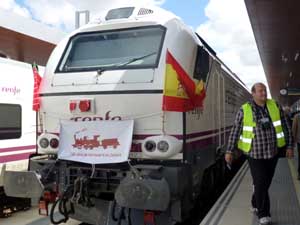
(265, 221)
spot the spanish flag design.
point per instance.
(181, 93)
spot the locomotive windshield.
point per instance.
(134, 48)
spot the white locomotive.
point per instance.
(116, 69)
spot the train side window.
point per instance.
(10, 121)
(202, 64)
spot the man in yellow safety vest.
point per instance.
(260, 131)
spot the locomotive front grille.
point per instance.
(103, 180)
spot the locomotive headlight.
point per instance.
(54, 143)
(44, 142)
(163, 146)
(48, 143)
(150, 146)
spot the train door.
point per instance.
(221, 110)
(215, 106)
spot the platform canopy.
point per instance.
(26, 40)
(276, 27)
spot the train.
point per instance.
(17, 124)
(146, 82)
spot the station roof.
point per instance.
(26, 40)
(276, 26)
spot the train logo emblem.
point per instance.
(95, 142)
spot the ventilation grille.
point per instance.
(144, 11)
(99, 175)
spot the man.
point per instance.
(296, 135)
(260, 130)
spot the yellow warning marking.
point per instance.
(295, 181)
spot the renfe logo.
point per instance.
(13, 90)
(96, 118)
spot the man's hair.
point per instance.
(253, 88)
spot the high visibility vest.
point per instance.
(247, 135)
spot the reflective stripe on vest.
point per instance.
(245, 141)
(275, 117)
(247, 136)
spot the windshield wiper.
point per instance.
(114, 66)
(135, 59)
(104, 68)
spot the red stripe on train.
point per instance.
(17, 148)
(11, 158)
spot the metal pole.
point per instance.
(86, 13)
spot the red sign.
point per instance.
(95, 142)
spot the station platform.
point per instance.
(31, 217)
(233, 206)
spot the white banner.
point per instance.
(95, 142)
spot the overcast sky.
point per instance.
(224, 24)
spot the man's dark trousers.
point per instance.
(262, 171)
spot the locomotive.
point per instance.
(132, 66)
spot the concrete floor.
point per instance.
(30, 217)
(233, 207)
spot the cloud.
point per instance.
(58, 14)
(61, 14)
(227, 29)
(11, 5)
(229, 32)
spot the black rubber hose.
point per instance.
(63, 220)
(129, 217)
(121, 216)
(62, 208)
(64, 201)
(113, 211)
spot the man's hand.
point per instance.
(228, 158)
(289, 153)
